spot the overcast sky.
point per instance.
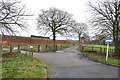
(78, 8)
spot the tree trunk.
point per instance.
(116, 36)
(1, 48)
(116, 45)
(79, 38)
(117, 50)
(116, 42)
(79, 35)
(54, 39)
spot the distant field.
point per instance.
(103, 46)
(99, 48)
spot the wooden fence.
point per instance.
(35, 47)
(95, 49)
(9, 41)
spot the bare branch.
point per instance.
(54, 20)
(12, 15)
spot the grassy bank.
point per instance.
(102, 59)
(18, 65)
(98, 53)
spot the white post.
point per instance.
(40, 47)
(107, 52)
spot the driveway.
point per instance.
(69, 63)
(63, 58)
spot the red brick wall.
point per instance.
(28, 40)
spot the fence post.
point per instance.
(100, 49)
(19, 48)
(112, 50)
(38, 48)
(32, 51)
(92, 48)
(82, 48)
(61, 46)
(46, 47)
(24, 47)
(67, 45)
(104, 50)
(26, 52)
(56, 47)
(10, 48)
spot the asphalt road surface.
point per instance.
(69, 63)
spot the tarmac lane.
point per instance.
(69, 63)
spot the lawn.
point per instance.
(102, 59)
(18, 65)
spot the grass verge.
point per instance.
(102, 59)
(18, 65)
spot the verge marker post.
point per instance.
(107, 52)
(108, 41)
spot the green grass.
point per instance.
(6, 46)
(97, 48)
(102, 46)
(23, 66)
(5, 51)
(0, 69)
(102, 59)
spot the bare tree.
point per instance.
(107, 20)
(12, 16)
(80, 29)
(54, 21)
